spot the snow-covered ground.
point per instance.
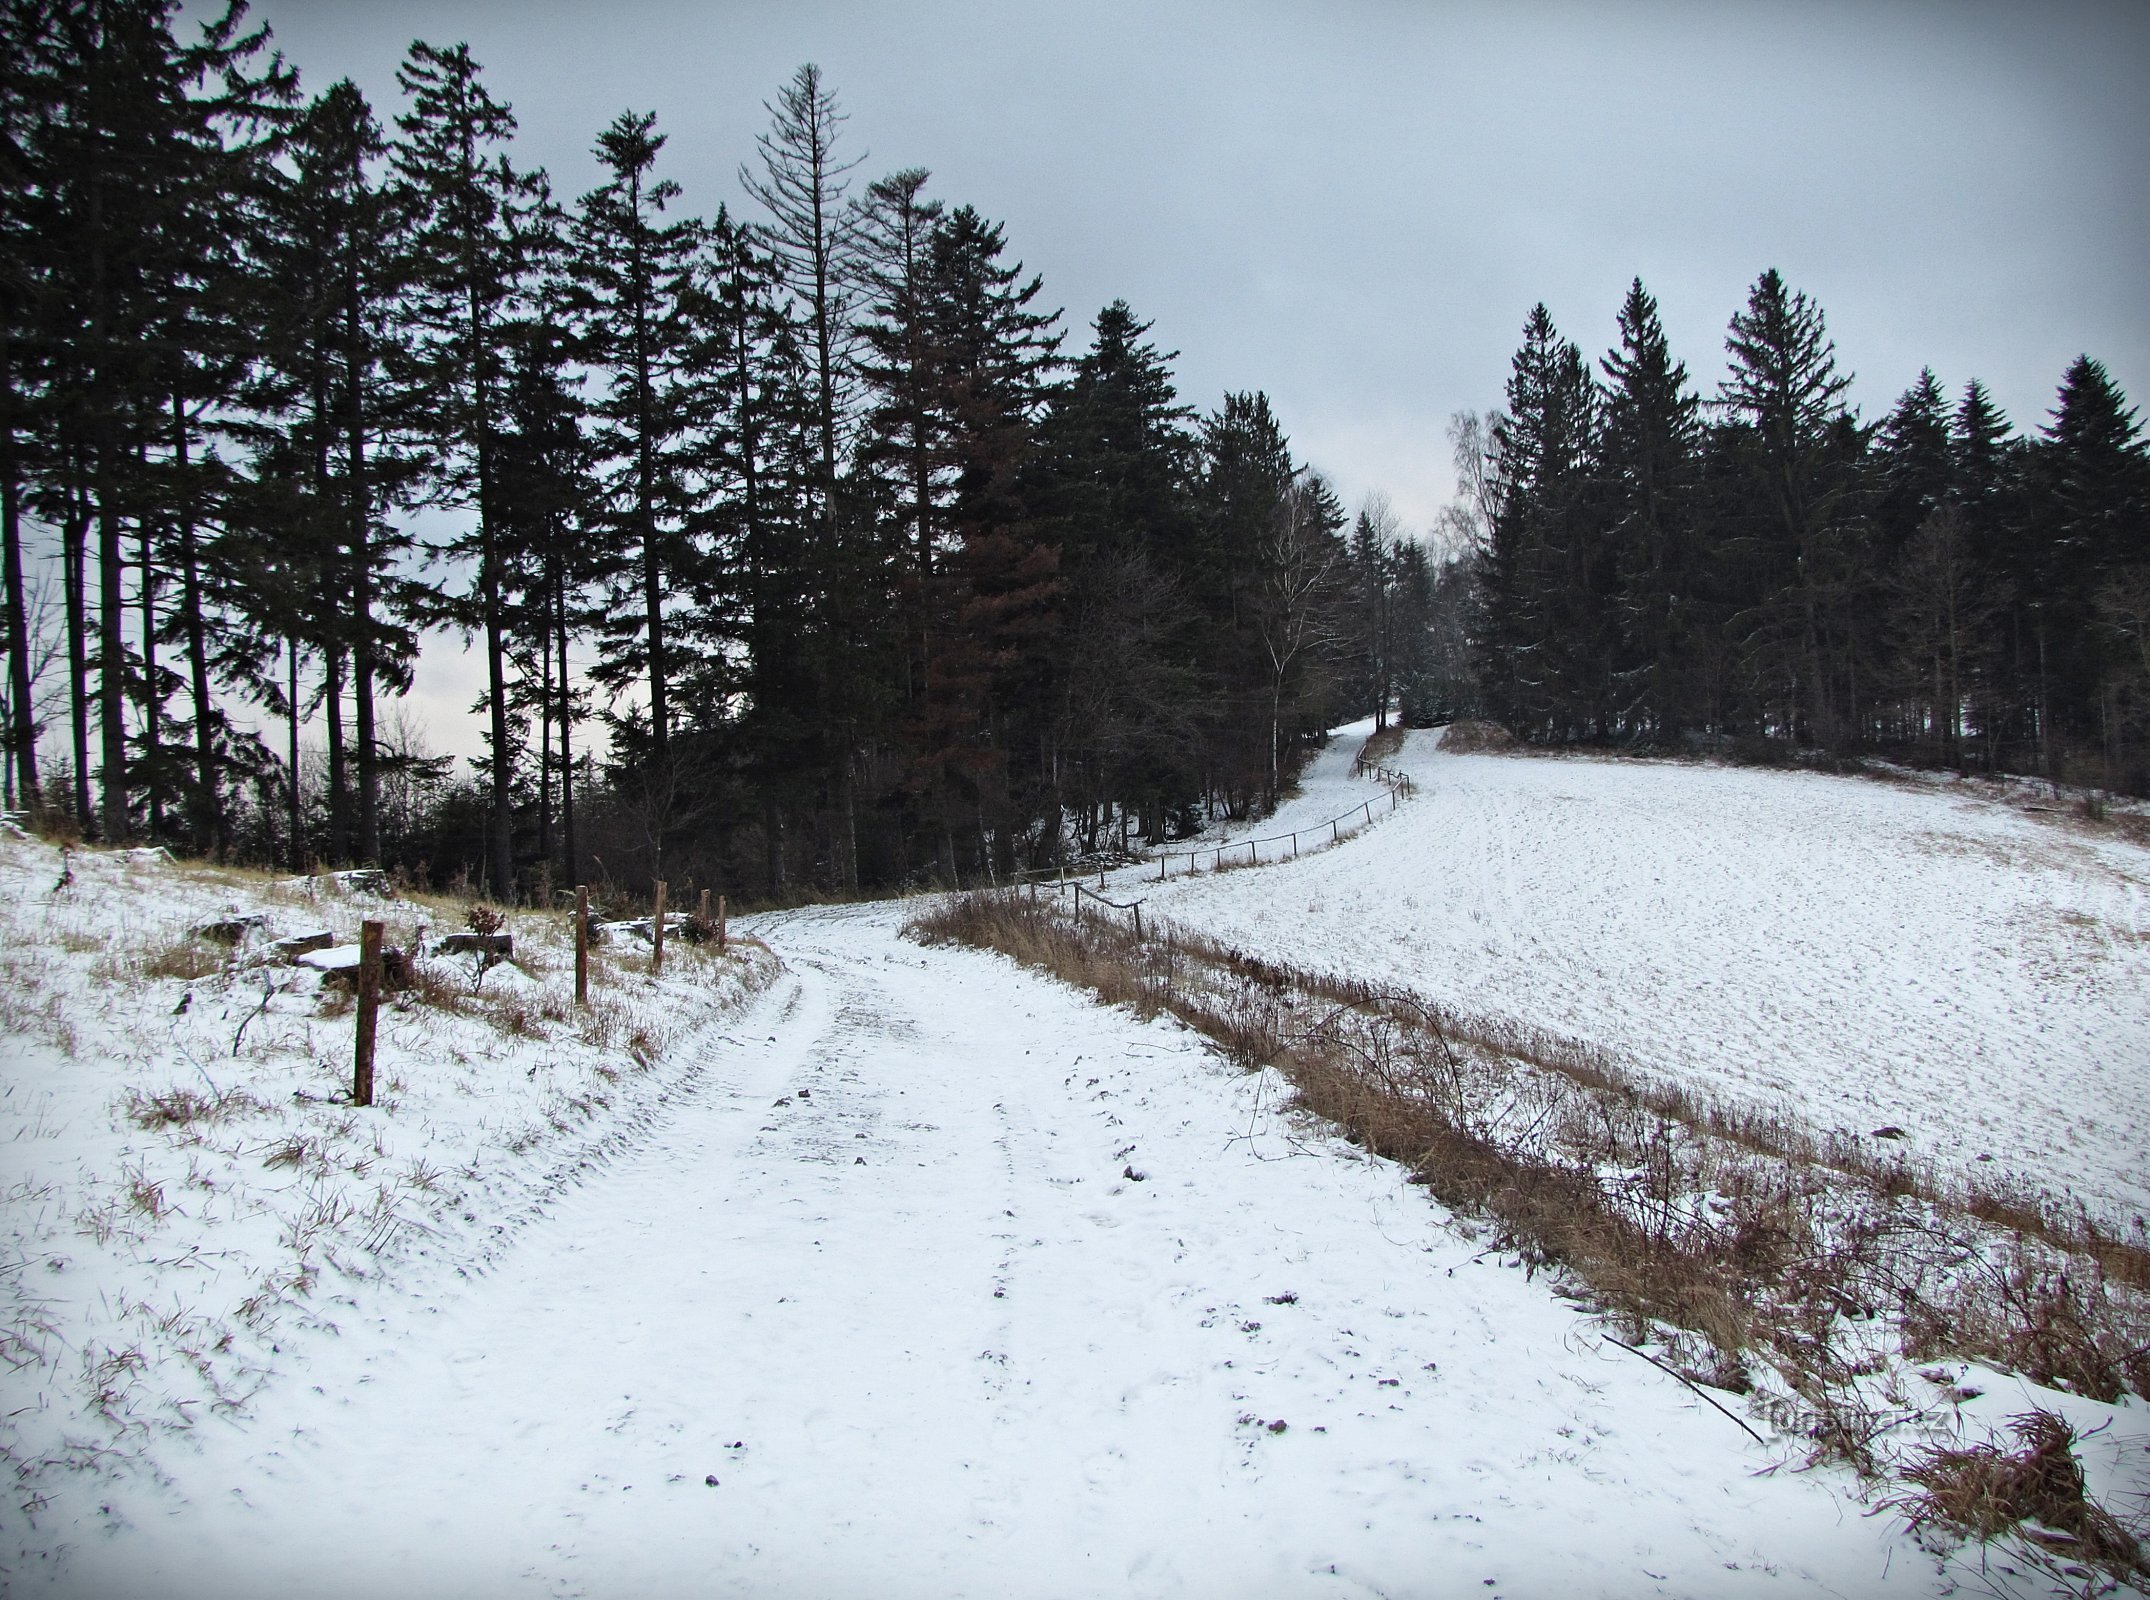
(189, 1204)
(1864, 953)
(947, 1282)
(902, 1271)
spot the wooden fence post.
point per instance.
(1253, 860)
(656, 933)
(702, 917)
(369, 1006)
(1138, 922)
(720, 922)
(582, 944)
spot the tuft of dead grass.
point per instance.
(2035, 1492)
(162, 1110)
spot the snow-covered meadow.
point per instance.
(1928, 954)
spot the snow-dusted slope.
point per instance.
(1867, 953)
(886, 1310)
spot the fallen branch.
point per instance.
(1674, 1372)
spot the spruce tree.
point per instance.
(471, 206)
(632, 271)
(2088, 500)
(1537, 642)
(1648, 453)
(900, 433)
(1112, 484)
(985, 684)
(1245, 474)
(1793, 449)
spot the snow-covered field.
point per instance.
(1866, 954)
(946, 1282)
(880, 1269)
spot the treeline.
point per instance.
(794, 548)
(1762, 569)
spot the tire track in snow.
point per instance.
(967, 1354)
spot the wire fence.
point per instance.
(1239, 852)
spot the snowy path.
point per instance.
(932, 1341)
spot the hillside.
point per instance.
(1929, 955)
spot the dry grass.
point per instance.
(1382, 744)
(1735, 1237)
(167, 1110)
(1468, 737)
(187, 958)
(2035, 1491)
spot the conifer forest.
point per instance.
(812, 549)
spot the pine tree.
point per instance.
(1648, 454)
(2088, 501)
(633, 276)
(134, 153)
(1245, 474)
(802, 182)
(1914, 460)
(547, 500)
(471, 207)
(334, 268)
(1111, 484)
(1538, 644)
(1793, 448)
(985, 687)
(31, 93)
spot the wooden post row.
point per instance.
(582, 944)
(369, 1006)
(656, 932)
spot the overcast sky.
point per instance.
(1353, 206)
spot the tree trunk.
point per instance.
(361, 513)
(500, 841)
(207, 820)
(298, 819)
(22, 736)
(567, 753)
(772, 832)
(152, 693)
(339, 776)
(111, 655)
(75, 538)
